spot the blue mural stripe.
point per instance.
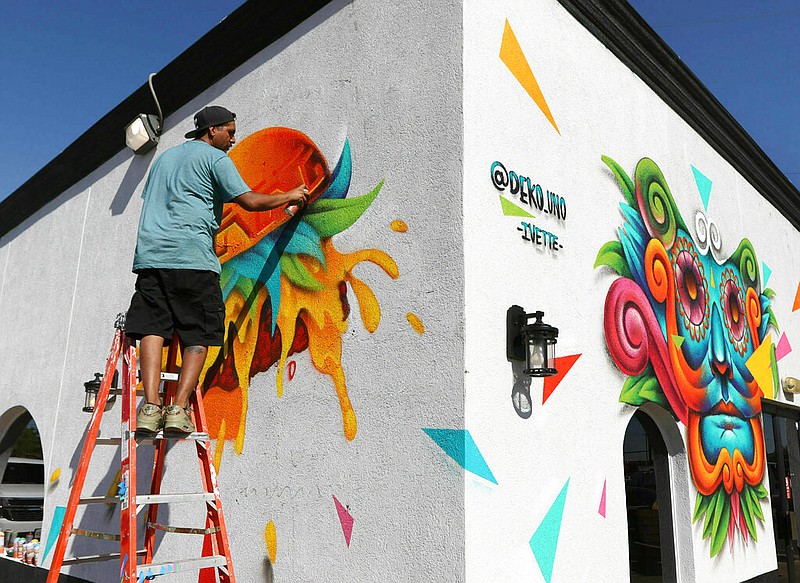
(55, 528)
(703, 186)
(459, 445)
(545, 540)
(340, 179)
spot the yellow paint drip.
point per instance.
(323, 315)
(219, 446)
(416, 323)
(271, 541)
(55, 475)
(399, 226)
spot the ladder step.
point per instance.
(108, 441)
(173, 498)
(97, 558)
(148, 438)
(155, 569)
(183, 529)
(152, 498)
(145, 438)
(99, 500)
(96, 535)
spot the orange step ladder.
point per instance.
(216, 550)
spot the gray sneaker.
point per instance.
(150, 419)
(177, 420)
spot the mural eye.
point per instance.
(691, 287)
(733, 310)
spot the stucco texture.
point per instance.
(310, 493)
(545, 100)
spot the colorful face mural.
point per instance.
(284, 283)
(683, 321)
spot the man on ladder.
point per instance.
(177, 286)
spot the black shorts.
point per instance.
(183, 301)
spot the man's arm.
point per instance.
(257, 201)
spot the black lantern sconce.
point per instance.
(535, 343)
(92, 387)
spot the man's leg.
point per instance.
(150, 353)
(193, 358)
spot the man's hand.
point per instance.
(256, 201)
(298, 196)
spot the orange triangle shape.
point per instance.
(796, 305)
(562, 364)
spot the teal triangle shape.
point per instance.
(767, 272)
(459, 445)
(703, 186)
(55, 528)
(512, 210)
(545, 540)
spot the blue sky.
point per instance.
(746, 52)
(67, 64)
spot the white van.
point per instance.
(22, 496)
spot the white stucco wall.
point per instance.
(600, 108)
(386, 78)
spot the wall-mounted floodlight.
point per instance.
(142, 134)
(791, 385)
(533, 343)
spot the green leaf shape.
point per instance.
(613, 255)
(331, 216)
(624, 181)
(760, 491)
(747, 512)
(773, 364)
(755, 503)
(769, 293)
(708, 522)
(298, 274)
(772, 320)
(721, 526)
(700, 506)
(643, 388)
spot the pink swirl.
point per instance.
(634, 339)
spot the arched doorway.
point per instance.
(21, 474)
(648, 485)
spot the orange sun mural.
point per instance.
(284, 283)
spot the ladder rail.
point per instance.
(214, 515)
(128, 482)
(86, 455)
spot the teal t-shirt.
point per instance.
(182, 209)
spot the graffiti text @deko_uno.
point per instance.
(534, 196)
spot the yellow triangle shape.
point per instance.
(759, 366)
(511, 54)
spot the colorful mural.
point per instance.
(684, 323)
(284, 283)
